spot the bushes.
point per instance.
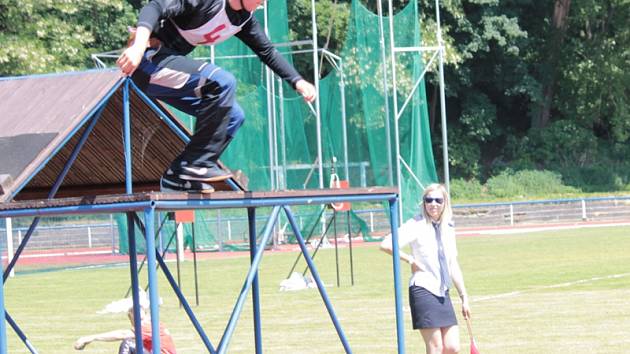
(603, 177)
(510, 184)
(559, 145)
(527, 183)
(559, 159)
(466, 189)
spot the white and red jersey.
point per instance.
(216, 30)
(184, 24)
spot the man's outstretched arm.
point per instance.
(113, 336)
(255, 38)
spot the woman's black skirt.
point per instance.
(429, 310)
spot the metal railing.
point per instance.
(613, 208)
(233, 228)
(97, 235)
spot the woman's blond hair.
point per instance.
(447, 212)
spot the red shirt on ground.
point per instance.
(166, 341)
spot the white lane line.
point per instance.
(65, 254)
(520, 229)
(560, 285)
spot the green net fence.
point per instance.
(277, 148)
(229, 231)
(366, 102)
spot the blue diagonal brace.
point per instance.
(54, 189)
(180, 133)
(3, 327)
(95, 112)
(253, 270)
(20, 334)
(320, 285)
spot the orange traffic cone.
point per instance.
(473, 345)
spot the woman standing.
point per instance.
(434, 265)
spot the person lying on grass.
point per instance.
(127, 337)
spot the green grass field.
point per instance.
(548, 292)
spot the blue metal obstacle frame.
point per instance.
(149, 203)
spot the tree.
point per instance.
(593, 85)
(585, 131)
(51, 36)
(516, 67)
(487, 80)
(332, 19)
(553, 51)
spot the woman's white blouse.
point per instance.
(420, 236)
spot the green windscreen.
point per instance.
(365, 102)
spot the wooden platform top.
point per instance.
(222, 199)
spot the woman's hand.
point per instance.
(465, 307)
(306, 89)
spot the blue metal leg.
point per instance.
(182, 299)
(251, 216)
(149, 227)
(137, 220)
(133, 269)
(400, 330)
(320, 285)
(350, 244)
(194, 251)
(238, 307)
(3, 327)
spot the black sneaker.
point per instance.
(172, 183)
(204, 174)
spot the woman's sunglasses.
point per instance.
(429, 200)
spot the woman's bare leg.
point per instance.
(432, 340)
